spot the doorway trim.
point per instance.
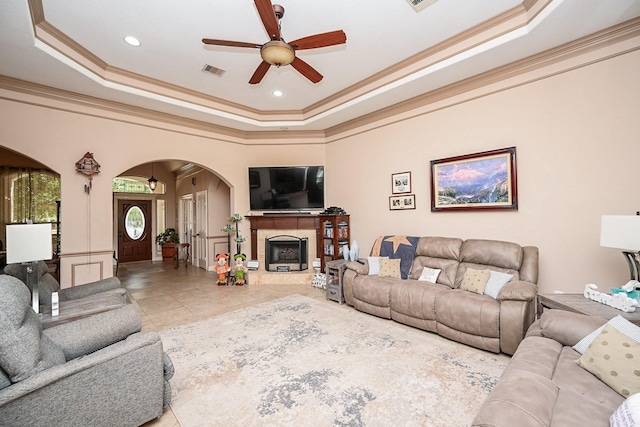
(186, 223)
(200, 255)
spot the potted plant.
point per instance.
(167, 240)
(230, 229)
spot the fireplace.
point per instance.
(286, 253)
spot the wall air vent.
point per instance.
(419, 5)
(213, 70)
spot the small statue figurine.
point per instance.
(222, 268)
(240, 269)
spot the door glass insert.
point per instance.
(134, 222)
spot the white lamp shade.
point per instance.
(28, 242)
(620, 232)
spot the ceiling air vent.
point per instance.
(419, 5)
(213, 70)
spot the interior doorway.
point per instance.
(134, 230)
(201, 229)
(186, 222)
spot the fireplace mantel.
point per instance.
(284, 222)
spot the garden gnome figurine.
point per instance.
(222, 268)
(240, 269)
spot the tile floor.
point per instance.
(169, 297)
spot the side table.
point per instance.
(577, 303)
(334, 271)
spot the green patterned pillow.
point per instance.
(614, 358)
(475, 280)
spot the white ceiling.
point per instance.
(393, 53)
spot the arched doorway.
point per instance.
(194, 201)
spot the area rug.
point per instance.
(296, 361)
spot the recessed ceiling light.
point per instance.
(277, 93)
(132, 41)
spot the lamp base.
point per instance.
(633, 260)
(31, 269)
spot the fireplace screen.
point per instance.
(286, 253)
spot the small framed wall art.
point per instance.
(401, 183)
(406, 201)
(476, 181)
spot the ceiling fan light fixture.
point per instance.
(277, 53)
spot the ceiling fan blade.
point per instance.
(320, 40)
(259, 73)
(268, 17)
(229, 43)
(306, 70)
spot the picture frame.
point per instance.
(401, 183)
(406, 201)
(478, 181)
(254, 179)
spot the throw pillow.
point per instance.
(496, 282)
(627, 414)
(614, 358)
(429, 274)
(475, 280)
(374, 265)
(618, 322)
(390, 267)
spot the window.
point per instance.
(135, 184)
(29, 195)
(134, 222)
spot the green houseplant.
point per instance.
(168, 236)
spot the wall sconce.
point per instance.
(153, 183)
(88, 166)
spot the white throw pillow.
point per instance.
(627, 414)
(374, 265)
(429, 274)
(618, 322)
(496, 282)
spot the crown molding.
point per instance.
(599, 46)
(543, 65)
(501, 24)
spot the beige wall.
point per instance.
(576, 134)
(577, 140)
(58, 139)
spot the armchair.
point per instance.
(48, 284)
(98, 371)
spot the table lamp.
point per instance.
(28, 244)
(623, 232)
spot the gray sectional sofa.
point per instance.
(495, 324)
(544, 386)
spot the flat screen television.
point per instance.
(284, 188)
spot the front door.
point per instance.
(134, 230)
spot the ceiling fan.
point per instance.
(278, 52)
